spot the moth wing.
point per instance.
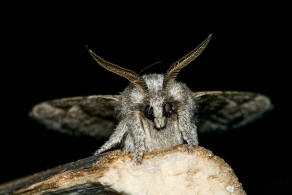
(91, 115)
(223, 110)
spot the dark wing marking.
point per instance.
(74, 180)
(223, 110)
(89, 188)
(91, 115)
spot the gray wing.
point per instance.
(223, 110)
(92, 115)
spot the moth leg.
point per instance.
(136, 130)
(115, 138)
(188, 129)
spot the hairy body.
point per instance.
(139, 134)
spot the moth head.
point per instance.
(161, 106)
(158, 96)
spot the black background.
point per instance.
(46, 59)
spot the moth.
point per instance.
(154, 112)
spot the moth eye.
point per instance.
(167, 109)
(148, 112)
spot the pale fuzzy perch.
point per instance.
(174, 171)
(170, 171)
